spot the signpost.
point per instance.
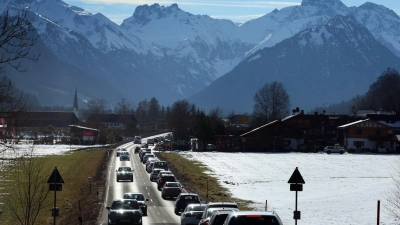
(55, 182)
(296, 182)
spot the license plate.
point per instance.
(125, 220)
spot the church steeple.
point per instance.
(75, 108)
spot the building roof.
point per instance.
(259, 128)
(352, 123)
(388, 124)
(49, 115)
(83, 128)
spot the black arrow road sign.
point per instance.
(296, 178)
(55, 177)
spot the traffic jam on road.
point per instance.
(145, 191)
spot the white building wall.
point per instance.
(367, 143)
(293, 142)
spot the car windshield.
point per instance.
(125, 205)
(138, 197)
(124, 169)
(254, 220)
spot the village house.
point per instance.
(298, 132)
(376, 130)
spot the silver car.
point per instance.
(192, 214)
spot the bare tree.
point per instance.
(17, 37)
(271, 103)
(142, 111)
(154, 109)
(393, 196)
(123, 107)
(216, 120)
(97, 106)
(29, 190)
(180, 118)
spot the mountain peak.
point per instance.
(322, 3)
(145, 13)
(155, 9)
(369, 6)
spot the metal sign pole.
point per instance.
(55, 191)
(295, 220)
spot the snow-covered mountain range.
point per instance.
(164, 52)
(325, 64)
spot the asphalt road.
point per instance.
(159, 211)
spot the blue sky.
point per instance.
(235, 10)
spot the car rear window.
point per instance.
(169, 178)
(138, 197)
(219, 219)
(191, 198)
(163, 165)
(254, 220)
(198, 208)
(223, 205)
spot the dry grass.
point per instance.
(75, 168)
(193, 176)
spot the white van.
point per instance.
(334, 149)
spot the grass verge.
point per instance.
(193, 176)
(75, 167)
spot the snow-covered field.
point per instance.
(18, 150)
(338, 189)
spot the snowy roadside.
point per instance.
(19, 150)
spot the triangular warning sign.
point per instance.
(296, 178)
(55, 177)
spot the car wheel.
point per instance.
(176, 212)
(329, 152)
(145, 213)
(341, 152)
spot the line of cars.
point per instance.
(131, 208)
(189, 206)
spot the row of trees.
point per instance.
(383, 94)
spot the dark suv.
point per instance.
(164, 178)
(125, 211)
(185, 199)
